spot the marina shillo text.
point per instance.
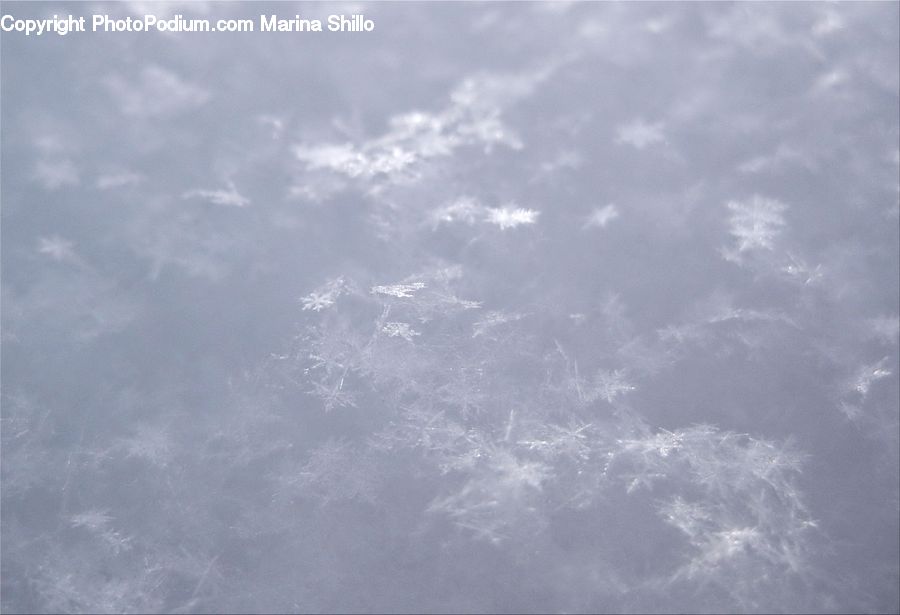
(149, 23)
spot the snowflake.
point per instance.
(333, 394)
(399, 329)
(317, 302)
(324, 296)
(756, 223)
(689, 517)
(644, 480)
(799, 270)
(668, 442)
(867, 375)
(662, 444)
(150, 443)
(493, 319)
(91, 519)
(556, 441)
(336, 471)
(401, 291)
(468, 305)
(510, 217)
(610, 385)
(464, 210)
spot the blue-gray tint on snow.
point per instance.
(507, 307)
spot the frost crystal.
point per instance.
(91, 519)
(464, 210)
(557, 441)
(401, 291)
(799, 270)
(399, 329)
(325, 296)
(869, 374)
(317, 302)
(493, 319)
(610, 384)
(756, 223)
(511, 217)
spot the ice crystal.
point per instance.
(609, 385)
(869, 374)
(512, 217)
(399, 329)
(755, 224)
(401, 291)
(325, 296)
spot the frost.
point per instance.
(718, 460)
(399, 329)
(609, 385)
(492, 320)
(465, 210)
(325, 296)
(98, 523)
(150, 443)
(755, 224)
(511, 217)
(332, 393)
(91, 519)
(466, 304)
(680, 334)
(317, 302)
(662, 444)
(726, 313)
(745, 516)
(401, 291)
(353, 163)
(472, 117)
(869, 374)
(335, 472)
(494, 500)
(803, 273)
(691, 518)
(554, 441)
(725, 544)
(470, 211)
(519, 433)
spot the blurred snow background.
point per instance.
(502, 307)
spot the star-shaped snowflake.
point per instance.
(317, 301)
